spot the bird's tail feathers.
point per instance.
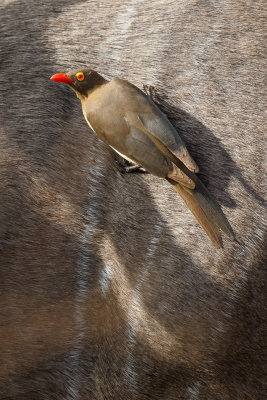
(206, 210)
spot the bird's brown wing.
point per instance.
(137, 146)
(145, 150)
(160, 127)
(142, 112)
(157, 126)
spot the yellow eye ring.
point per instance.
(80, 76)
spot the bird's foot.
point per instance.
(124, 166)
(150, 91)
(127, 168)
(133, 168)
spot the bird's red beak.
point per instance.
(61, 78)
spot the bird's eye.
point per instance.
(80, 76)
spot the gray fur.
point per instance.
(109, 288)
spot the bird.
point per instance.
(129, 121)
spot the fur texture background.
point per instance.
(109, 288)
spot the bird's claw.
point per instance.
(133, 168)
(150, 91)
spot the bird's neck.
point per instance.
(97, 81)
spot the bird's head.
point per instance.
(81, 81)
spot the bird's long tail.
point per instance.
(206, 210)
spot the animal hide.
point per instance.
(109, 289)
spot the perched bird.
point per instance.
(130, 122)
